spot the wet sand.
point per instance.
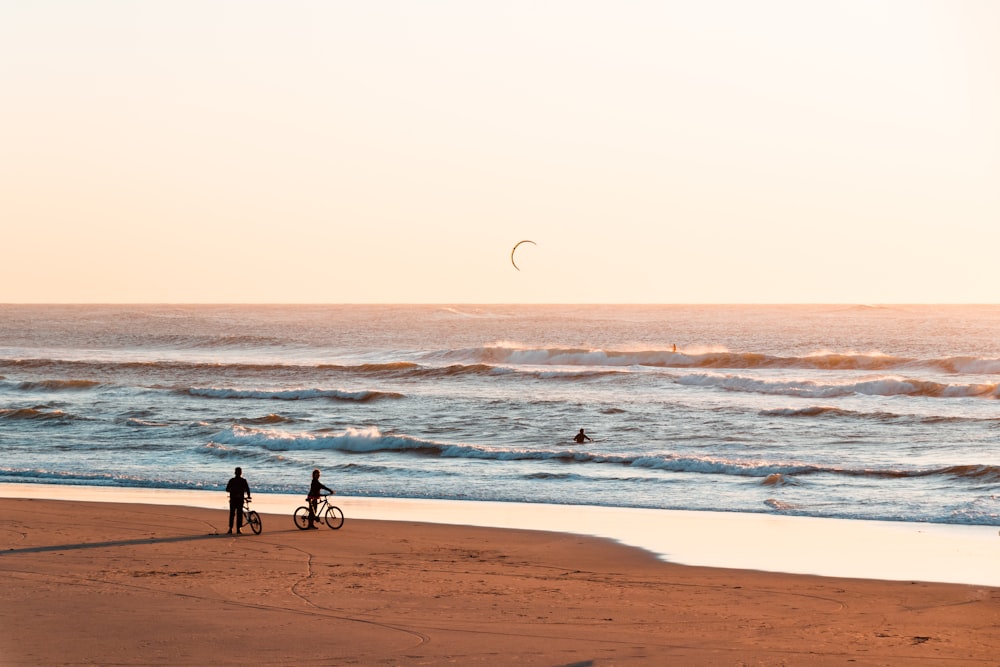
(891, 550)
(112, 583)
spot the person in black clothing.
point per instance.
(237, 489)
(581, 437)
(314, 495)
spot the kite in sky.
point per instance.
(515, 248)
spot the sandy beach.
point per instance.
(131, 584)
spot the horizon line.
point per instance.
(879, 304)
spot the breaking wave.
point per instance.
(267, 419)
(58, 385)
(481, 358)
(777, 479)
(371, 440)
(38, 413)
(780, 505)
(209, 342)
(821, 411)
(289, 394)
(144, 423)
(716, 358)
(98, 479)
(884, 386)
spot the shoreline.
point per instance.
(879, 550)
(96, 583)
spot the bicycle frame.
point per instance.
(325, 513)
(251, 518)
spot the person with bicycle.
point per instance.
(315, 493)
(237, 489)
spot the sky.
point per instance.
(720, 151)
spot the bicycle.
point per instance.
(251, 518)
(325, 513)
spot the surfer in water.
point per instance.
(581, 437)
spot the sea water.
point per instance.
(876, 413)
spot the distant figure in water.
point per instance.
(581, 437)
(675, 347)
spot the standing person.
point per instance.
(314, 495)
(581, 437)
(237, 489)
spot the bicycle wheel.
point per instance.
(301, 517)
(254, 520)
(334, 517)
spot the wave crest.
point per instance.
(36, 414)
(886, 386)
(58, 385)
(290, 394)
(372, 440)
(709, 357)
(266, 419)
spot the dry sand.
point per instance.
(125, 584)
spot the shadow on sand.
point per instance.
(120, 543)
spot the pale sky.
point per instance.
(719, 151)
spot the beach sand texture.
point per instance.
(126, 584)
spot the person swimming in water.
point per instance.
(581, 437)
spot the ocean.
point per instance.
(860, 412)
